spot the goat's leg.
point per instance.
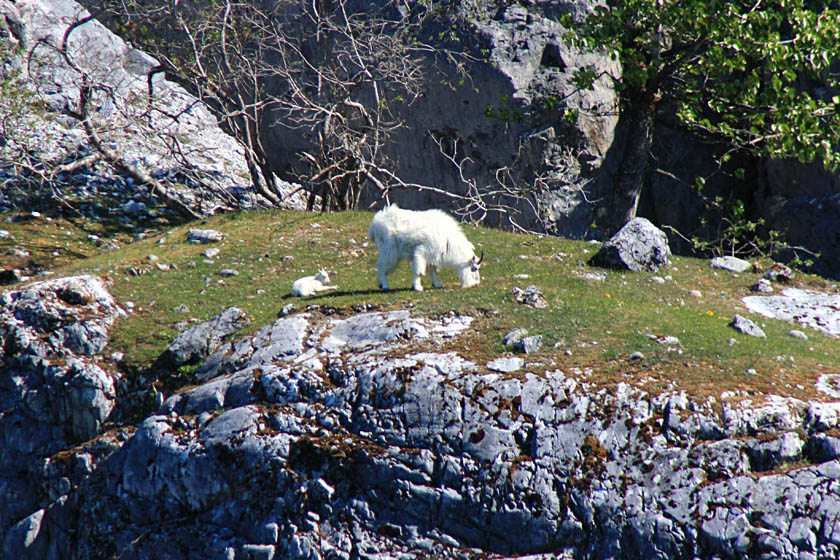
(418, 267)
(435, 282)
(384, 265)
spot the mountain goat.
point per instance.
(429, 238)
(311, 285)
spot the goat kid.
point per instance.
(311, 285)
(430, 239)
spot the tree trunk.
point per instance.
(624, 198)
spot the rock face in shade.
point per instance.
(510, 112)
(317, 437)
(637, 246)
(55, 390)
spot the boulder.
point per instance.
(731, 264)
(529, 344)
(514, 336)
(746, 326)
(529, 296)
(199, 341)
(637, 246)
(204, 236)
(771, 454)
(779, 273)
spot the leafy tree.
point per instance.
(759, 74)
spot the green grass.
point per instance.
(591, 326)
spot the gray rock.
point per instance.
(210, 155)
(256, 552)
(816, 310)
(392, 453)
(283, 339)
(806, 217)
(199, 341)
(134, 208)
(12, 26)
(798, 334)
(779, 273)
(55, 393)
(637, 246)
(204, 236)
(821, 416)
(801, 534)
(529, 344)
(288, 309)
(721, 459)
(514, 336)
(731, 264)
(529, 296)
(822, 447)
(772, 418)
(769, 455)
(521, 85)
(727, 532)
(763, 286)
(12, 276)
(22, 540)
(746, 326)
(369, 329)
(506, 365)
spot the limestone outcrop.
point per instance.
(340, 437)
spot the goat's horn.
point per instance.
(481, 258)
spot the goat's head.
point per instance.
(469, 274)
(323, 276)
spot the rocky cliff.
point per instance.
(347, 437)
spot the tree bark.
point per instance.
(632, 171)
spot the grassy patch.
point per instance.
(592, 324)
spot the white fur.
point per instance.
(429, 239)
(311, 285)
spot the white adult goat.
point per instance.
(311, 285)
(429, 238)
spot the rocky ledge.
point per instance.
(345, 437)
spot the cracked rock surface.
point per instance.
(345, 437)
(55, 388)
